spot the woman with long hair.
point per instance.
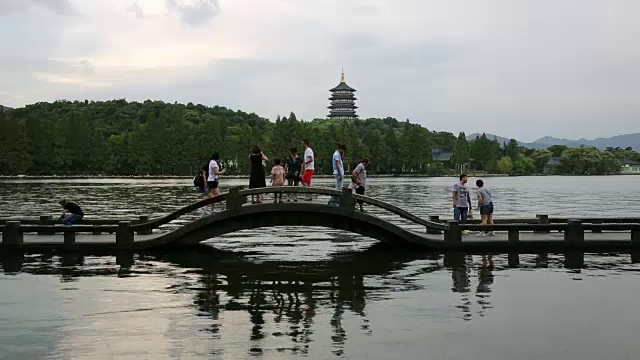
(257, 177)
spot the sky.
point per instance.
(516, 68)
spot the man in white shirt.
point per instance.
(338, 172)
(308, 168)
(212, 176)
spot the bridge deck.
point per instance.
(499, 237)
(384, 222)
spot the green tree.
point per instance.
(588, 161)
(511, 149)
(460, 151)
(540, 158)
(505, 165)
(557, 150)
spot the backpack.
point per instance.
(198, 180)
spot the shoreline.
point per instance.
(322, 176)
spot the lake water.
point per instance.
(319, 293)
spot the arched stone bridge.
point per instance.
(515, 235)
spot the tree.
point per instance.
(523, 166)
(557, 150)
(460, 151)
(505, 165)
(131, 138)
(540, 158)
(588, 161)
(511, 149)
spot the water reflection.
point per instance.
(290, 306)
(290, 293)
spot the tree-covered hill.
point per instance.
(155, 138)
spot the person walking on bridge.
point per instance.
(359, 179)
(213, 175)
(461, 201)
(292, 168)
(308, 167)
(338, 172)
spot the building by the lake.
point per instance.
(343, 101)
(630, 166)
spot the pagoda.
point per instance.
(343, 104)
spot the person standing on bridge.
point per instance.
(257, 178)
(277, 179)
(71, 212)
(485, 204)
(213, 175)
(359, 179)
(308, 167)
(461, 201)
(338, 172)
(292, 168)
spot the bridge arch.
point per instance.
(290, 214)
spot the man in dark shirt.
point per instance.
(71, 212)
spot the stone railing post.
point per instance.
(12, 234)
(513, 259)
(513, 236)
(542, 219)
(346, 199)
(434, 218)
(142, 220)
(575, 232)
(69, 238)
(635, 246)
(46, 220)
(454, 233)
(234, 200)
(124, 235)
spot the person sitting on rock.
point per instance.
(71, 212)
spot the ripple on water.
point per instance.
(292, 292)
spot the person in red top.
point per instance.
(307, 166)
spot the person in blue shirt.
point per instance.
(338, 172)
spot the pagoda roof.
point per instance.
(343, 86)
(342, 96)
(342, 106)
(352, 99)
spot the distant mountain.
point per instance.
(500, 139)
(5, 108)
(622, 141)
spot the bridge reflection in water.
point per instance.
(294, 292)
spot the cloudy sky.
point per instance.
(518, 68)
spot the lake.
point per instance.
(319, 293)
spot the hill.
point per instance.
(156, 138)
(621, 141)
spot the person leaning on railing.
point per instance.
(71, 212)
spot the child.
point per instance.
(277, 178)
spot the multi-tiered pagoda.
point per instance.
(343, 104)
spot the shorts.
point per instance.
(306, 177)
(486, 209)
(212, 184)
(202, 189)
(460, 213)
